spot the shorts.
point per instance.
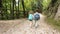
(36, 19)
(30, 20)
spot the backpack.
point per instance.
(30, 17)
(37, 17)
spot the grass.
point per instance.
(55, 24)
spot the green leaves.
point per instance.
(10, 7)
(45, 3)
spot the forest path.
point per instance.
(22, 26)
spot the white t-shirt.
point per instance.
(36, 13)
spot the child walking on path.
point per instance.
(33, 17)
(36, 18)
(30, 18)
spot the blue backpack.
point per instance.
(37, 17)
(30, 17)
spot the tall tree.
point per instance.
(0, 3)
(23, 7)
(39, 5)
(12, 9)
(52, 9)
(1, 14)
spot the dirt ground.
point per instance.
(22, 26)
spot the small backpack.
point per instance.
(30, 17)
(37, 17)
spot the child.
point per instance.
(36, 18)
(30, 17)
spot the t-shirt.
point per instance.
(30, 17)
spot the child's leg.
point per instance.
(31, 23)
(34, 22)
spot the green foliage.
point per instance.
(45, 4)
(55, 24)
(28, 5)
(52, 8)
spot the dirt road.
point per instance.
(22, 26)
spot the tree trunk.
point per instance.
(52, 9)
(0, 3)
(58, 14)
(23, 8)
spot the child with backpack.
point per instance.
(36, 18)
(33, 17)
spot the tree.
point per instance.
(52, 8)
(1, 7)
(0, 3)
(57, 16)
(39, 5)
(23, 7)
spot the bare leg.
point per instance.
(31, 23)
(36, 24)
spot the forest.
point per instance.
(13, 14)
(12, 9)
